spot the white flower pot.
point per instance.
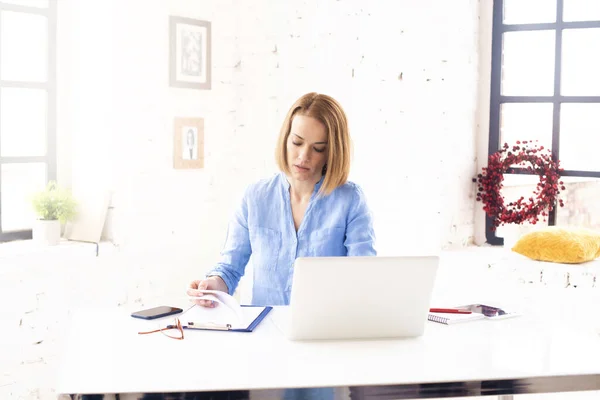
(46, 232)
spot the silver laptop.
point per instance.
(360, 297)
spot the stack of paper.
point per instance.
(227, 314)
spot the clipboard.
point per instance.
(227, 327)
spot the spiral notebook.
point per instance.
(449, 319)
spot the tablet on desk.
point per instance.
(490, 312)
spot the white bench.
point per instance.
(526, 270)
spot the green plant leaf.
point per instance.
(54, 203)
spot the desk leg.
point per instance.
(506, 397)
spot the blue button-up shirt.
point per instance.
(262, 230)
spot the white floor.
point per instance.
(40, 286)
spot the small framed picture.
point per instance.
(190, 58)
(188, 143)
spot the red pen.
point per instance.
(449, 311)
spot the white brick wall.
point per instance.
(414, 137)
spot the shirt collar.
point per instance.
(318, 185)
(286, 183)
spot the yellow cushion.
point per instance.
(560, 245)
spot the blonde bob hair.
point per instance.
(327, 110)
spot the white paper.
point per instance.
(221, 316)
(226, 300)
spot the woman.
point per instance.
(307, 210)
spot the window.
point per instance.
(546, 86)
(27, 109)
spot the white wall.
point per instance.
(414, 137)
(483, 107)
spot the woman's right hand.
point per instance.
(210, 283)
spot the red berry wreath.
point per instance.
(536, 161)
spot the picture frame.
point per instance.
(189, 53)
(188, 143)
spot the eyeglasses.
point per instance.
(191, 325)
(167, 328)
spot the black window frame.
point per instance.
(50, 159)
(497, 99)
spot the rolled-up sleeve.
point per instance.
(360, 236)
(237, 250)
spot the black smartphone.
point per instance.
(156, 312)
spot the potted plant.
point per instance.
(53, 206)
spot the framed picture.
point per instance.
(188, 143)
(190, 60)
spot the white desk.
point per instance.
(521, 355)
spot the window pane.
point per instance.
(19, 182)
(580, 62)
(528, 63)
(23, 122)
(23, 47)
(28, 3)
(580, 136)
(529, 11)
(581, 10)
(526, 121)
(582, 207)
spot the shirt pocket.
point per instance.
(265, 244)
(326, 242)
